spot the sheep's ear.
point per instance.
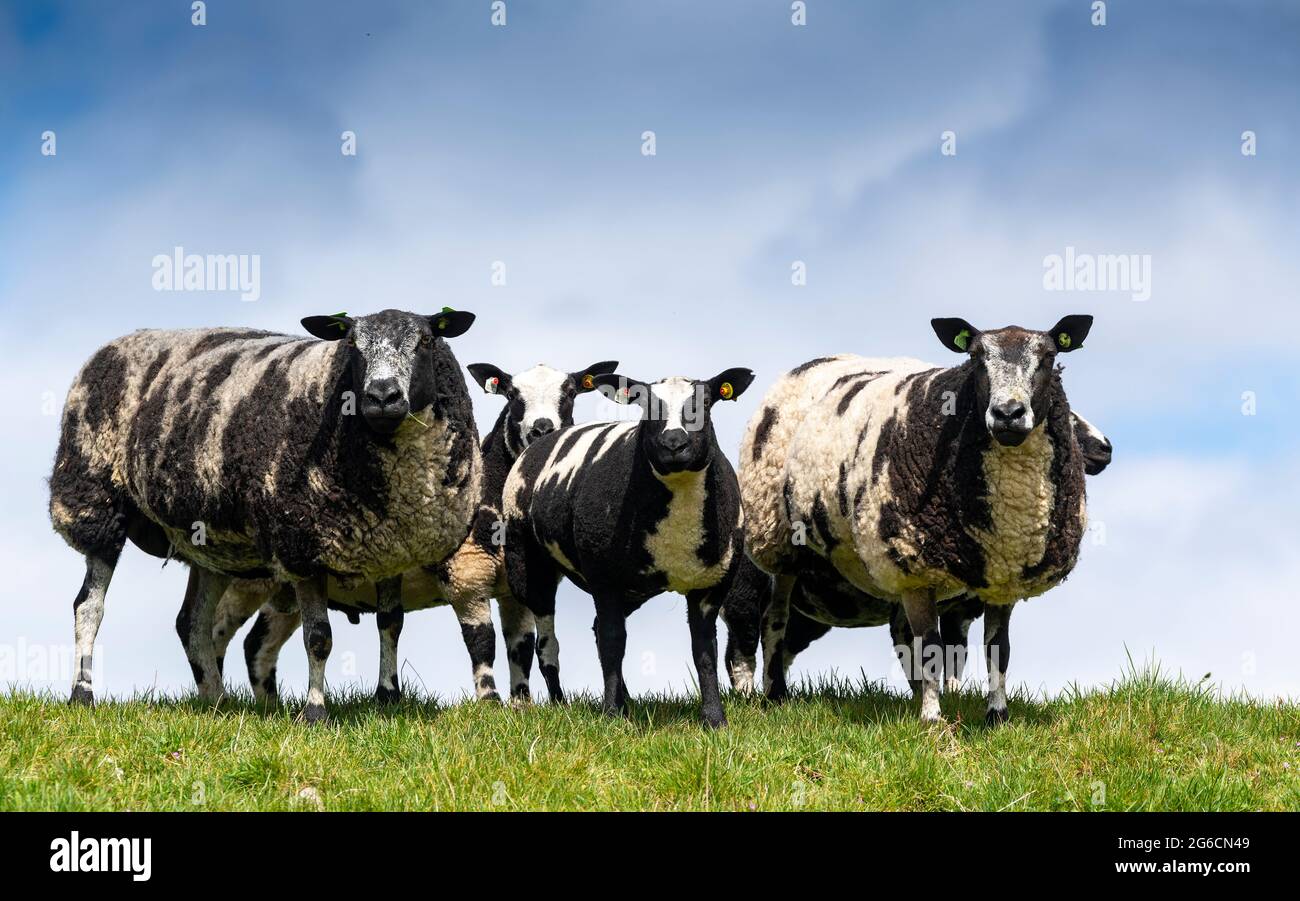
(328, 328)
(730, 384)
(621, 389)
(956, 334)
(489, 378)
(1068, 334)
(450, 323)
(1095, 446)
(585, 379)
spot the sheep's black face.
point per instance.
(1013, 370)
(676, 433)
(538, 400)
(390, 360)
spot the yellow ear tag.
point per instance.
(588, 382)
(1063, 339)
(442, 324)
(726, 391)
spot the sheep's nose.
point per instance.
(1008, 411)
(539, 428)
(384, 393)
(674, 440)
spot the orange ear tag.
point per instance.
(588, 382)
(496, 383)
(726, 391)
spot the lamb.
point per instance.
(240, 450)
(538, 400)
(815, 607)
(917, 484)
(626, 511)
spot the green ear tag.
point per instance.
(341, 326)
(1063, 339)
(962, 339)
(442, 323)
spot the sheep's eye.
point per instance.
(352, 341)
(426, 340)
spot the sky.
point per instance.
(915, 160)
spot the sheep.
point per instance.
(815, 608)
(242, 451)
(538, 400)
(628, 510)
(918, 484)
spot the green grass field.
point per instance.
(1145, 743)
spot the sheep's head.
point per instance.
(390, 359)
(1013, 370)
(538, 400)
(676, 433)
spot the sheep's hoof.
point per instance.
(82, 695)
(385, 695)
(995, 716)
(313, 714)
(716, 720)
(213, 697)
(490, 697)
(777, 694)
(521, 697)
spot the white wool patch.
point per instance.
(539, 388)
(1021, 494)
(561, 469)
(674, 543)
(672, 395)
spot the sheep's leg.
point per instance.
(622, 696)
(194, 625)
(533, 578)
(475, 617)
(318, 638)
(954, 627)
(775, 618)
(389, 617)
(742, 653)
(702, 617)
(272, 628)
(925, 653)
(800, 631)
(520, 628)
(901, 635)
(87, 613)
(234, 608)
(997, 653)
(611, 640)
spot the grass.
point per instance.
(1148, 742)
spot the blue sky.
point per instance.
(775, 143)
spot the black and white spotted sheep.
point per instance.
(817, 605)
(917, 484)
(257, 455)
(538, 400)
(626, 511)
